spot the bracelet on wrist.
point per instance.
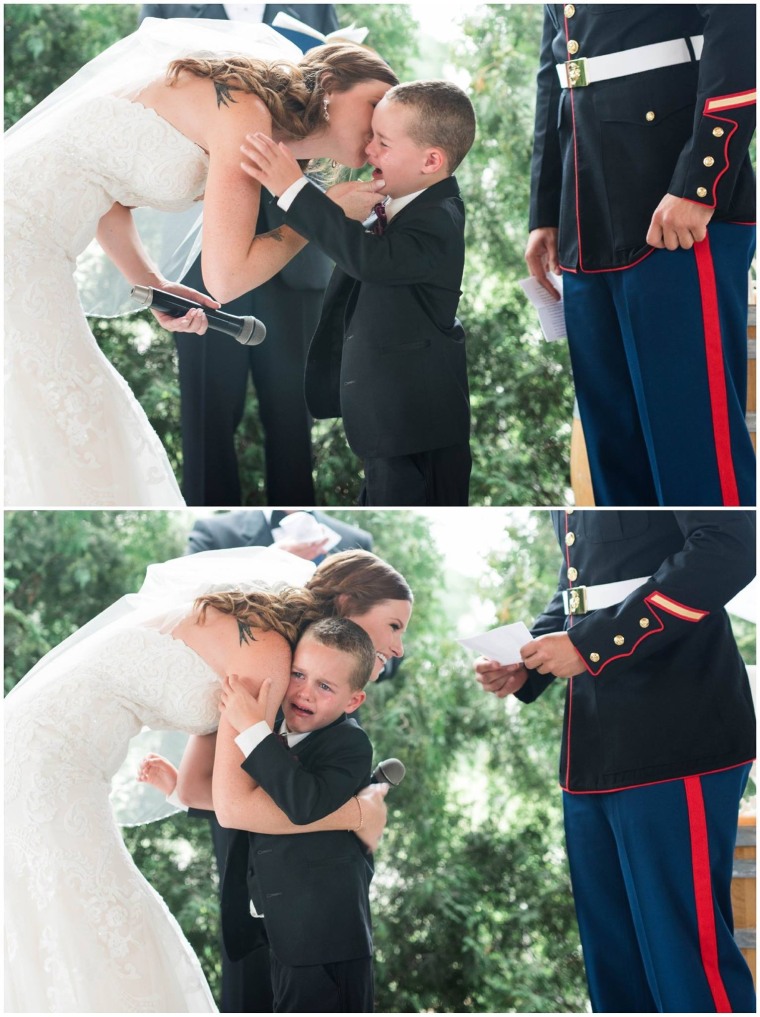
(361, 814)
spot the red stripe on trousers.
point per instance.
(703, 894)
(716, 374)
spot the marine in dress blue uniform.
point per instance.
(658, 738)
(636, 102)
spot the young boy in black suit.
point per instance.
(389, 354)
(311, 891)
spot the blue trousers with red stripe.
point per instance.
(651, 874)
(659, 355)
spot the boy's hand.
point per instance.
(272, 165)
(159, 772)
(242, 708)
(357, 198)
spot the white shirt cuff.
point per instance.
(288, 195)
(172, 799)
(247, 740)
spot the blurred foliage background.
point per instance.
(472, 906)
(521, 391)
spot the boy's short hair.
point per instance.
(348, 637)
(444, 116)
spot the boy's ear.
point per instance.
(435, 160)
(355, 701)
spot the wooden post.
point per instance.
(744, 890)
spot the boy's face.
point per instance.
(319, 690)
(398, 160)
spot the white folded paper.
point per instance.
(303, 528)
(291, 24)
(551, 312)
(502, 644)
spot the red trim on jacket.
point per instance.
(703, 893)
(653, 783)
(731, 101)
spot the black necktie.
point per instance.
(382, 219)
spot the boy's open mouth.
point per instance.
(376, 173)
(301, 711)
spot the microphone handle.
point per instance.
(246, 330)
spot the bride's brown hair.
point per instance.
(267, 610)
(294, 94)
(347, 583)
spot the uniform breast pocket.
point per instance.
(642, 132)
(608, 526)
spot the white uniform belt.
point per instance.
(589, 70)
(582, 599)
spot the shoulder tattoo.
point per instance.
(223, 94)
(245, 633)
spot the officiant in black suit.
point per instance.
(214, 368)
(246, 986)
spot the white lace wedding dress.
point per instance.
(75, 434)
(85, 932)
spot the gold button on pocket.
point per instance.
(701, 192)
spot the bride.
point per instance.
(157, 120)
(84, 931)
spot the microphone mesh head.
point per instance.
(391, 771)
(253, 333)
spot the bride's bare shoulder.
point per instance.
(230, 646)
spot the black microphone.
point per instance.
(390, 771)
(247, 330)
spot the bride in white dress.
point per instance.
(85, 932)
(120, 135)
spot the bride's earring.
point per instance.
(326, 111)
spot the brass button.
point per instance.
(701, 192)
(651, 115)
(569, 10)
(618, 640)
(570, 538)
(569, 511)
(572, 574)
(572, 47)
(708, 160)
(594, 658)
(644, 623)
(718, 132)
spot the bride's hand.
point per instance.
(374, 813)
(195, 320)
(357, 198)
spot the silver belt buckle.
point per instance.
(576, 73)
(575, 600)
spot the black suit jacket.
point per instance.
(666, 694)
(313, 889)
(388, 354)
(605, 155)
(249, 528)
(309, 269)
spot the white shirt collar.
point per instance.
(293, 737)
(394, 205)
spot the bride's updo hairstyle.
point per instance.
(294, 94)
(261, 609)
(353, 582)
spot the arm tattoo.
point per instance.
(271, 235)
(223, 94)
(245, 633)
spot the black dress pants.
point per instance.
(213, 373)
(342, 987)
(438, 477)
